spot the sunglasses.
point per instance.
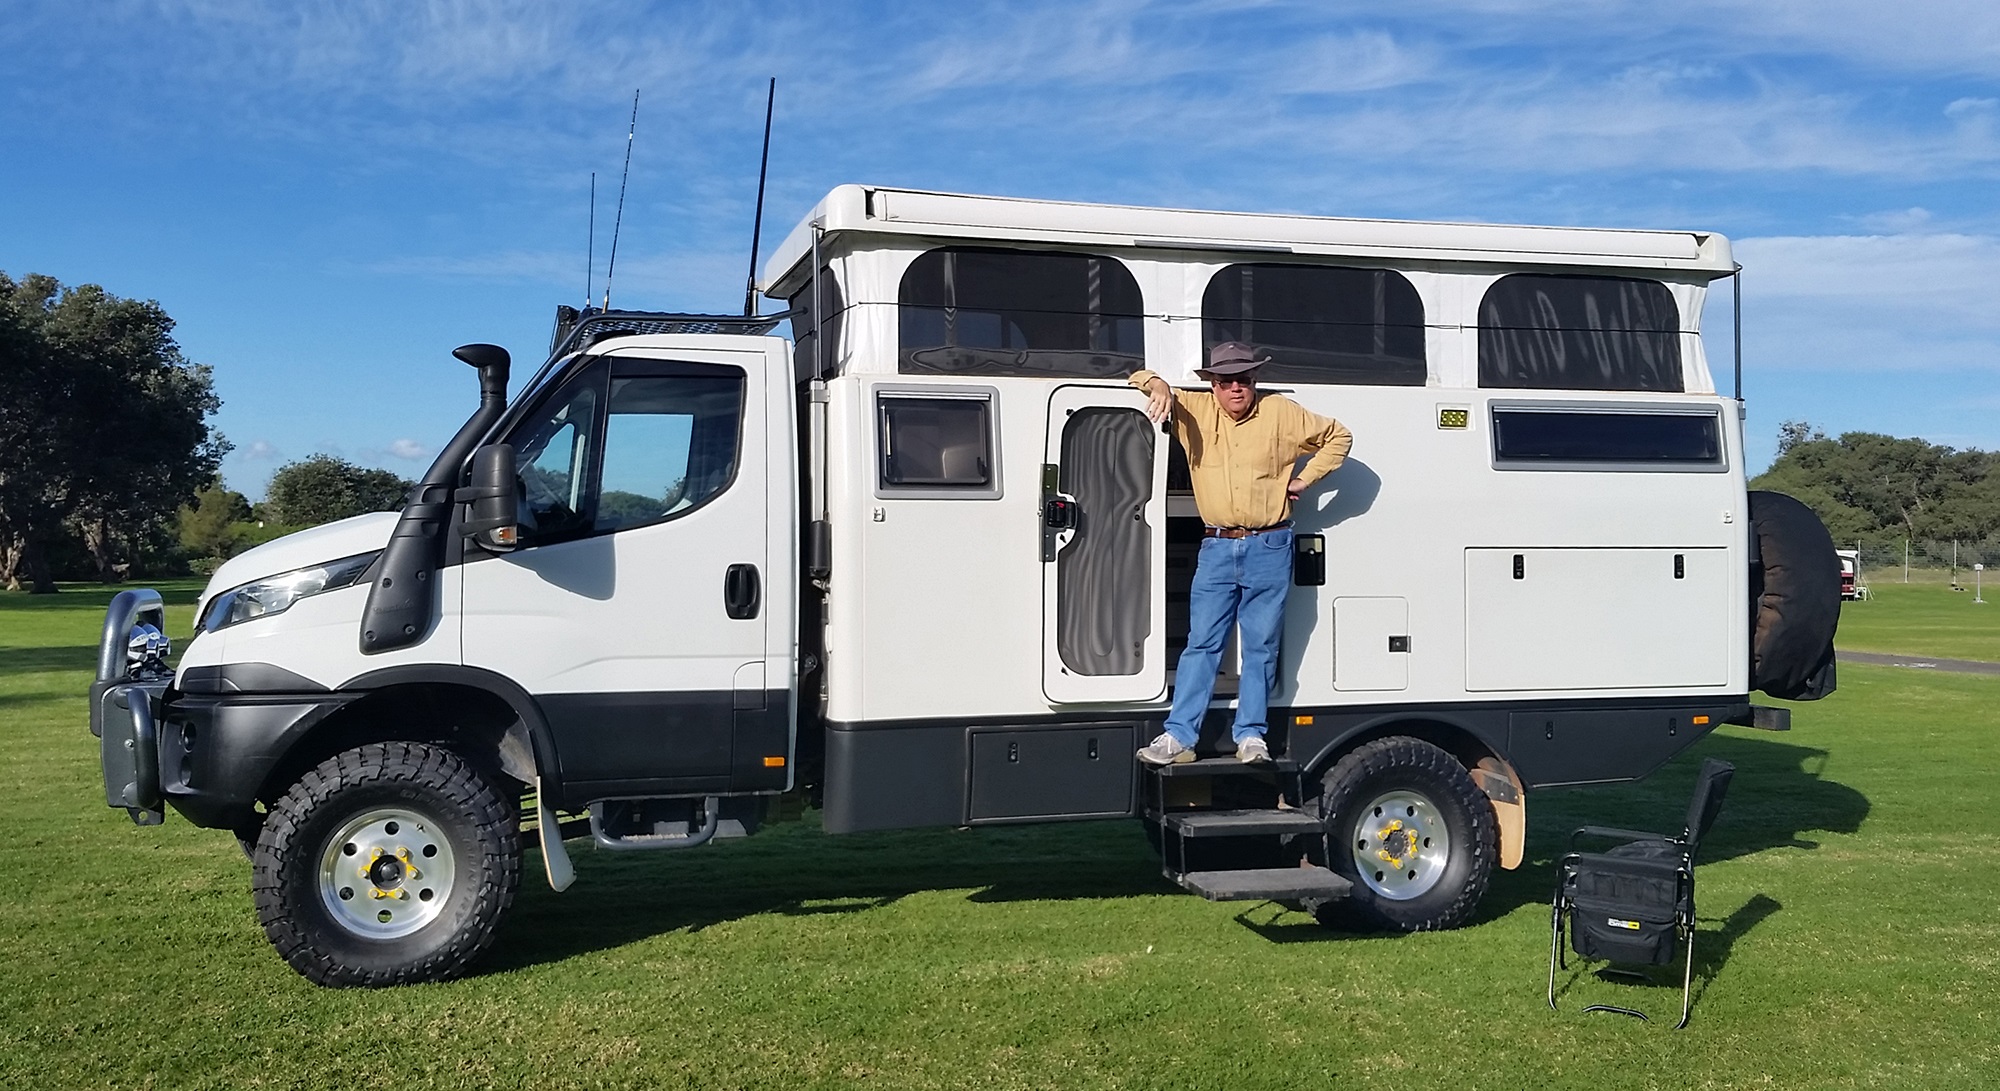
(1233, 380)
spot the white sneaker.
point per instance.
(1165, 750)
(1252, 750)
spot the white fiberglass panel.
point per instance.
(1371, 644)
(1554, 619)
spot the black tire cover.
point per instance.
(1794, 600)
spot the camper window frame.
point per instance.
(881, 394)
(1719, 464)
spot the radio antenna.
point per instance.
(590, 244)
(757, 225)
(619, 221)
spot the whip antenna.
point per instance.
(619, 221)
(590, 243)
(757, 225)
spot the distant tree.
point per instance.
(1794, 432)
(322, 488)
(1865, 485)
(103, 425)
(209, 528)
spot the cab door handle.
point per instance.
(742, 591)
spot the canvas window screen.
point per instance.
(1319, 323)
(981, 311)
(1542, 331)
(1103, 575)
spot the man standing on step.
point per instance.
(1241, 447)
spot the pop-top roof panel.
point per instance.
(884, 211)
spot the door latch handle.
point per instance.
(1059, 513)
(742, 591)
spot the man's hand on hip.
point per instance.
(1159, 400)
(1296, 489)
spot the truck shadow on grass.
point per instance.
(793, 869)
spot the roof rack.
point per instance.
(575, 329)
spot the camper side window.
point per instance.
(1570, 437)
(1319, 323)
(939, 447)
(1546, 332)
(965, 310)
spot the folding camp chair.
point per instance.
(1632, 903)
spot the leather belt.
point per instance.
(1242, 532)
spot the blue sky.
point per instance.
(329, 196)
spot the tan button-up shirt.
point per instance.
(1241, 468)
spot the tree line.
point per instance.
(108, 462)
(1871, 488)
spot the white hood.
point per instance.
(330, 542)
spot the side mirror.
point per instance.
(493, 521)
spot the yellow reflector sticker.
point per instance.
(1700, 719)
(777, 762)
(1616, 923)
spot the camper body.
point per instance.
(927, 561)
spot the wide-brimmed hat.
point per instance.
(1231, 358)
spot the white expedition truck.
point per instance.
(927, 562)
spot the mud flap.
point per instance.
(555, 858)
(1510, 808)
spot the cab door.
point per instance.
(649, 609)
(1104, 478)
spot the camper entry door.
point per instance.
(1104, 477)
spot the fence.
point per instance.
(1882, 561)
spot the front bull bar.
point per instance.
(122, 708)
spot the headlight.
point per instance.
(275, 594)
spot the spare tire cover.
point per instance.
(1794, 600)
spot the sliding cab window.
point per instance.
(626, 443)
(1606, 438)
(1320, 323)
(1545, 332)
(937, 445)
(965, 310)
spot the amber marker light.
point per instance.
(1699, 720)
(775, 762)
(1302, 721)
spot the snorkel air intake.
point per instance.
(402, 600)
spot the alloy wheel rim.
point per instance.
(1401, 845)
(386, 873)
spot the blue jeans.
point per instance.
(1240, 582)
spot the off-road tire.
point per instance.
(1401, 763)
(481, 827)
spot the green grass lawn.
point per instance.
(1850, 939)
(1922, 617)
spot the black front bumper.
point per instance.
(206, 755)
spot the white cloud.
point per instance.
(260, 450)
(408, 449)
(1873, 302)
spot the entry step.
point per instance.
(1222, 767)
(1242, 823)
(1274, 884)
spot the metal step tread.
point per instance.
(1222, 767)
(1267, 884)
(1246, 823)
